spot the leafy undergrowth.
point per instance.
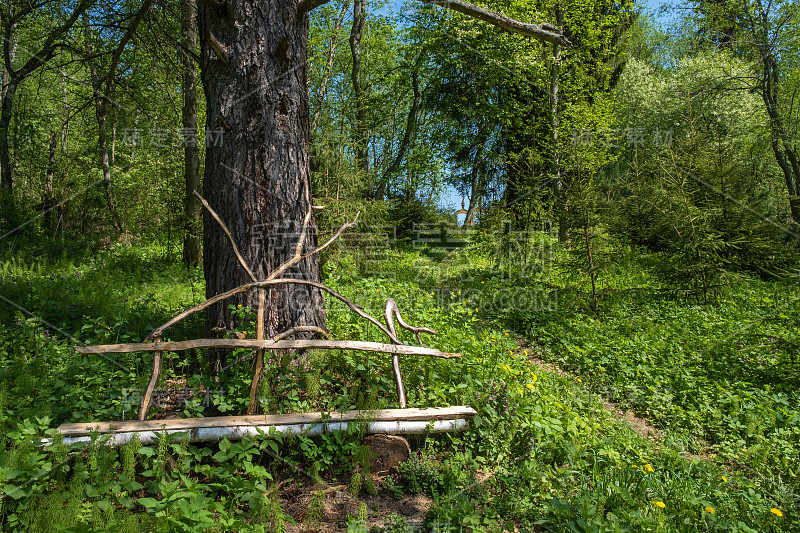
(543, 453)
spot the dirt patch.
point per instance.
(524, 348)
(638, 424)
(327, 509)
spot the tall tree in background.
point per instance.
(360, 92)
(767, 35)
(191, 150)
(53, 22)
(103, 71)
(253, 58)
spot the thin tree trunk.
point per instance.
(323, 86)
(191, 152)
(476, 192)
(6, 176)
(253, 59)
(557, 183)
(326, 77)
(590, 256)
(101, 112)
(361, 133)
(47, 204)
(411, 129)
(474, 198)
(781, 145)
(9, 89)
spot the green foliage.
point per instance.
(542, 452)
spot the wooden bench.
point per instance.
(400, 421)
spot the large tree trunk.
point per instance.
(191, 151)
(253, 59)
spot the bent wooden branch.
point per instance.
(541, 32)
(258, 284)
(536, 31)
(151, 386)
(391, 312)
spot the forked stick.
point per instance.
(389, 314)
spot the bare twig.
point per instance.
(392, 308)
(297, 257)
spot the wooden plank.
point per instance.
(307, 344)
(387, 415)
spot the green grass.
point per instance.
(551, 456)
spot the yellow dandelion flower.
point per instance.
(244, 333)
(659, 504)
(525, 352)
(710, 510)
(481, 283)
(648, 468)
(724, 479)
(507, 368)
(239, 306)
(530, 386)
(776, 512)
(580, 380)
(634, 466)
(534, 377)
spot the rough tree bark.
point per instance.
(191, 151)
(253, 58)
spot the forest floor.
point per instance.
(654, 414)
